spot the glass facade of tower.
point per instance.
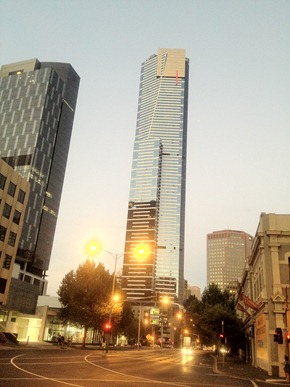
(37, 104)
(227, 251)
(156, 211)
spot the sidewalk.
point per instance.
(30, 345)
(235, 367)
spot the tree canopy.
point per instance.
(128, 324)
(85, 295)
(212, 314)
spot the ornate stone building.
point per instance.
(264, 294)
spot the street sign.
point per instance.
(154, 316)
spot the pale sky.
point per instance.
(238, 161)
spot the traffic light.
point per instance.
(222, 338)
(107, 327)
(278, 337)
(287, 337)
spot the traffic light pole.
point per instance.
(223, 332)
(116, 258)
(139, 325)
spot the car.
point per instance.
(187, 351)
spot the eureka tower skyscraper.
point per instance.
(156, 210)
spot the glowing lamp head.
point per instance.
(141, 251)
(93, 248)
(116, 298)
(165, 300)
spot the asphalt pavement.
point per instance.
(228, 365)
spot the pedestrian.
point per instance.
(61, 341)
(287, 369)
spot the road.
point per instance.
(52, 367)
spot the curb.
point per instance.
(269, 381)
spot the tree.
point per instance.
(85, 295)
(213, 295)
(128, 323)
(215, 307)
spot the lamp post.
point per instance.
(165, 302)
(140, 302)
(93, 248)
(180, 317)
(116, 258)
(141, 250)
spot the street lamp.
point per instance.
(94, 248)
(116, 258)
(140, 302)
(141, 250)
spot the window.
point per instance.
(36, 282)
(7, 262)
(16, 217)
(7, 211)
(2, 181)
(2, 233)
(12, 238)
(21, 196)
(2, 285)
(11, 189)
(16, 72)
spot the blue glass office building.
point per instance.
(156, 210)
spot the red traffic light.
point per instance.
(222, 338)
(108, 327)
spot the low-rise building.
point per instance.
(14, 192)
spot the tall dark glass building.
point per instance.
(156, 211)
(37, 107)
